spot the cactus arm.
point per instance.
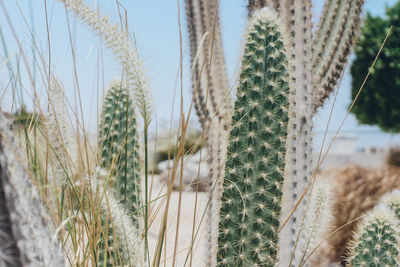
(29, 220)
(376, 242)
(119, 147)
(210, 83)
(332, 45)
(250, 210)
(212, 101)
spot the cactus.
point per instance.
(25, 237)
(212, 100)
(120, 149)
(250, 209)
(306, 95)
(376, 242)
(339, 26)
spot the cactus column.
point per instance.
(212, 101)
(120, 148)
(250, 211)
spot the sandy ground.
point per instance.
(185, 227)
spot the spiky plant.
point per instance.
(376, 242)
(120, 148)
(212, 100)
(250, 210)
(25, 235)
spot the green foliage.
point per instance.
(250, 209)
(120, 148)
(379, 102)
(376, 242)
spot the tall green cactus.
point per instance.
(376, 242)
(310, 87)
(254, 172)
(119, 147)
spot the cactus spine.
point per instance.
(212, 101)
(25, 237)
(250, 209)
(376, 242)
(120, 148)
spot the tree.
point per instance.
(379, 102)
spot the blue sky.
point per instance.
(155, 27)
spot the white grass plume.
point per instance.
(60, 134)
(316, 221)
(129, 237)
(119, 43)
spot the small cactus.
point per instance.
(376, 242)
(250, 209)
(119, 147)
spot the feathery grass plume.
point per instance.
(316, 221)
(209, 78)
(212, 99)
(60, 135)
(332, 44)
(392, 200)
(119, 43)
(120, 228)
(119, 148)
(250, 210)
(25, 236)
(356, 190)
(376, 241)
